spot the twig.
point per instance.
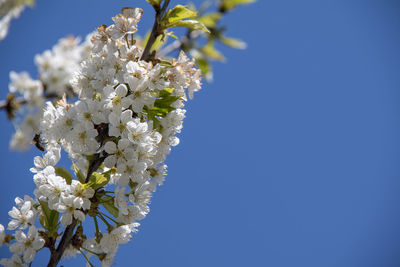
(19, 101)
(155, 31)
(62, 246)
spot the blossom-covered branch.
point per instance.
(116, 118)
(128, 114)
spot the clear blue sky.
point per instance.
(290, 158)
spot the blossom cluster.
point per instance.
(56, 68)
(117, 134)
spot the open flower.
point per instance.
(21, 217)
(27, 244)
(118, 154)
(125, 23)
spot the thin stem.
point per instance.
(155, 31)
(88, 250)
(108, 217)
(86, 258)
(127, 41)
(96, 224)
(105, 221)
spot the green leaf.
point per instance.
(191, 24)
(175, 18)
(98, 180)
(155, 3)
(159, 42)
(49, 219)
(108, 204)
(210, 20)
(79, 174)
(232, 42)
(171, 33)
(210, 51)
(165, 63)
(231, 4)
(166, 92)
(60, 171)
(25, 2)
(162, 105)
(205, 68)
(178, 13)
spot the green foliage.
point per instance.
(231, 4)
(81, 177)
(25, 2)
(210, 51)
(162, 106)
(205, 67)
(210, 20)
(154, 3)
(175, 18)
(98, 180)
(60, 171)
(49, 219)
(108, 204)
(159, 42)
(232, 42)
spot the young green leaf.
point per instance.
(159, 42)
(155, 3)
(108, 204)
(175, 18)
(60, 171)
(178, 13)
(49, 219)
(79, 174)
(205, 68)
(98, 180)
(210, 20)
(232, 42)
(231, 4)
(191, 24)
(210, 51)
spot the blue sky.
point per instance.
(289, 158)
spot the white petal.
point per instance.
(79, 215)
(110, 147)
(110, 161)
(123, 143)
(121, 90)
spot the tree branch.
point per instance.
(155, 31)
(18, 101)
(62, 246)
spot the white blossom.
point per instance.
(27, 244)
(21, 216)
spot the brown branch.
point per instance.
(155, 31)
(18, 101)
(62, 246)
(94, 164)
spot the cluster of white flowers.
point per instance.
(55, 68)
(26, 244)
(10, 9)
(119, 133)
